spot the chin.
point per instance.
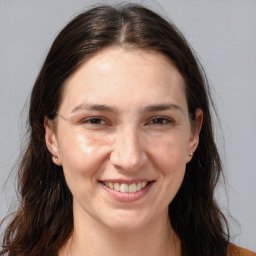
(126, 222)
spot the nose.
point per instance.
(128, 153)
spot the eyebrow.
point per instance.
(99, 107)
(150, 108)
(162, 107)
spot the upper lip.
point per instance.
(125, 181)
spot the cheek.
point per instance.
(170, 160)
(169, 152)
(82, 156)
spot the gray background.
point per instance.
(223, 33)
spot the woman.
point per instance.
(121, 158)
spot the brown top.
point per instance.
(234, 250)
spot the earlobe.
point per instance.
(194, 140)
(51, 140)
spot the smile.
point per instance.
(126, 188)
(129, 191)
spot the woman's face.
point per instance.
(123, 137)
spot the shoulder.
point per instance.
(234, 250)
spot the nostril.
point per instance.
(129, 162)
(128, 153)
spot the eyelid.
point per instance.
(168, 120)
(91, 118)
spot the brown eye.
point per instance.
(95, 121)
(159, 121)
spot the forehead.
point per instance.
(118, 75)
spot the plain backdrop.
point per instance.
(222, 32)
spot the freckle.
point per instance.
(94, 141)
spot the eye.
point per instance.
(159, 121)
(95, 121)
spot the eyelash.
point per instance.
(94, 121)
(163, 121)
(152, 121)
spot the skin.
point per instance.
(143, 132)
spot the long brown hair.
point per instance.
(44, 219)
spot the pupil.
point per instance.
(95, 121)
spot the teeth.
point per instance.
(138, 188)
(111, 185)
(132, 188)
(125, 188)
(116, 186)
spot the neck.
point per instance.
(94, 239)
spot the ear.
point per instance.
(51, 140)
(194, 139)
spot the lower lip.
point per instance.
(128, 197)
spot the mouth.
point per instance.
(127, 191)
(125, 187)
